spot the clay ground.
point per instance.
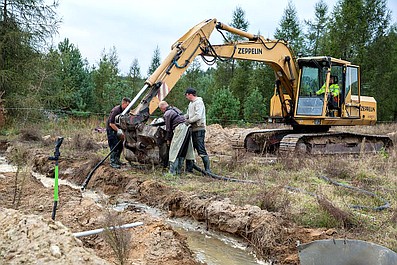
(271, 234)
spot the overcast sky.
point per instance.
(136, 27)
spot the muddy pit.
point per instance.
(270, 235)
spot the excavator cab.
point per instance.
(321, 87)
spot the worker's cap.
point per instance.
(190, 91)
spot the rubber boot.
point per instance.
(176, 166)
(180, 165)
(113, 160)
(118, 162)
(206, 162)
(189, 165)
(173, 166)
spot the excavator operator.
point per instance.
(333, 100)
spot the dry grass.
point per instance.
(343, 217)
(274, 199)
(31, 133)
(375, 173)
(19, 158)
(82, 142)
(119, 240)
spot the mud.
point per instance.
(271, 235)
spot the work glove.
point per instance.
(120, 133)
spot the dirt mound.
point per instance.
(159, 244)
(31, 239)
(220, 140)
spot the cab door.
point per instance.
(351, 93)
(308, 102)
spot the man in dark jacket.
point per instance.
(176, 134)
(115, 134)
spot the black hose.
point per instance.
(379, 208)
(85, 183)
(214, 176)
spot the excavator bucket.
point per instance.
(345, 252)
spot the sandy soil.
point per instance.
(271, 235)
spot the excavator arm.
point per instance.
(275, 53)
(145, 143)
(161, 82)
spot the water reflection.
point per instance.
(217, 249)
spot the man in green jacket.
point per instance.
(334, 91)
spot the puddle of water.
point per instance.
(209, 247)
(5, 167)
(215, 249)
(49, 183)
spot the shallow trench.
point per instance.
(209, 247)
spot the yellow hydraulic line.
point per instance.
(164, 65)
(242, 33)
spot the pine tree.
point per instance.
(24, 27)
(68, 83)
(134, 77)
(36, 19)
(355, 24)
(239, 22)
(224, 109)
(108, 86)
(316, 34)
(358, 32)
(262, 79)
(290, 29)
(234, 74)
(155, 62)
(239, 83)
(381, 74)
(254, 107)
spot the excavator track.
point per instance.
(334, 143)
(260, 141)
(288, 142)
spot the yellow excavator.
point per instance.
(304, 98)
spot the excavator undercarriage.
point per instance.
(146, 144)
(289, 142)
